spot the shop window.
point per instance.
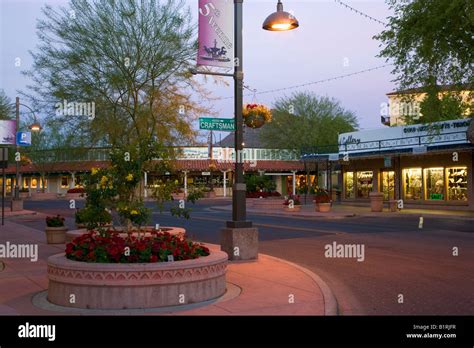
(413, 183)
(349, 184)
(34, 183)
(434, 184)
(388, 185)
(64, 182)
(457, 183)
(45, 183)
(26, 182)
(364, 184)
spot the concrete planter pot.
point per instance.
(268, 203)
(376, 201)
(323, 207)
(56, 235)
(136, 285)
(70, 235)
(295, 208)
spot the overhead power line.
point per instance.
(308, 83)
(360, 12)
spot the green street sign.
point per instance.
(217, 124)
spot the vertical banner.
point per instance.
(216, 33)
(7, 132)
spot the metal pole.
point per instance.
(3, 193)
(238, 192)
(17, 163)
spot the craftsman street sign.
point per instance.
(217, 124)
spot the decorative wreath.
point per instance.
(255, 115)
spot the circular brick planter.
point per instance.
(140, 285)
(70, 235)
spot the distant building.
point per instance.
(407, 103)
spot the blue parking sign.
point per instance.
(23, 138)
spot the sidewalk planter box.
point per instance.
(24, 195)
(210, 194)
(70, 235)
(376, 201)
(323, 207)
(273, 203)
(56, 235)
(295, 209)
(16, 204)
(136, 285)
(75, 196)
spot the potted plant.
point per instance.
(292, 203)
(55, 230)
(322, 201)
(255, 115)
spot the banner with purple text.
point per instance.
(7, 132)
(216, 32)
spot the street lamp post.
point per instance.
(239, 239)
(36, 127)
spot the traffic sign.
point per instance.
(217, 124)
(23, 138)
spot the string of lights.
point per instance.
(360, 13)
(308, 83)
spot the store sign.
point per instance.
(437, 196)
(206, 173)
(216, 32)
(393, 138)
(7, 132)
(217, 124)
(420, 149)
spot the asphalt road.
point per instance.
(401, 262)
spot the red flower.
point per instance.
(153, 258)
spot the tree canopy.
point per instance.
(7, 110)
(129, 58)
(431, 45)
(305, 120)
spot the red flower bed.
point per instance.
(76, 190)
(111, 248)
(262, 194)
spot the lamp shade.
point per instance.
(280, 20)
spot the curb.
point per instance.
(330, 301)
(329, 216)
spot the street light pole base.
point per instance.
(240, 243)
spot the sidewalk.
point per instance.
(340, 211)
(269, 286)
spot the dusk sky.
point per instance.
(331, 41)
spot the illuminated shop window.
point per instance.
(64, 182)
(456, 178)
(349, 184)
(364, 183)
(34, 183)
(434, 184)
(388, 185)
(412, 183)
